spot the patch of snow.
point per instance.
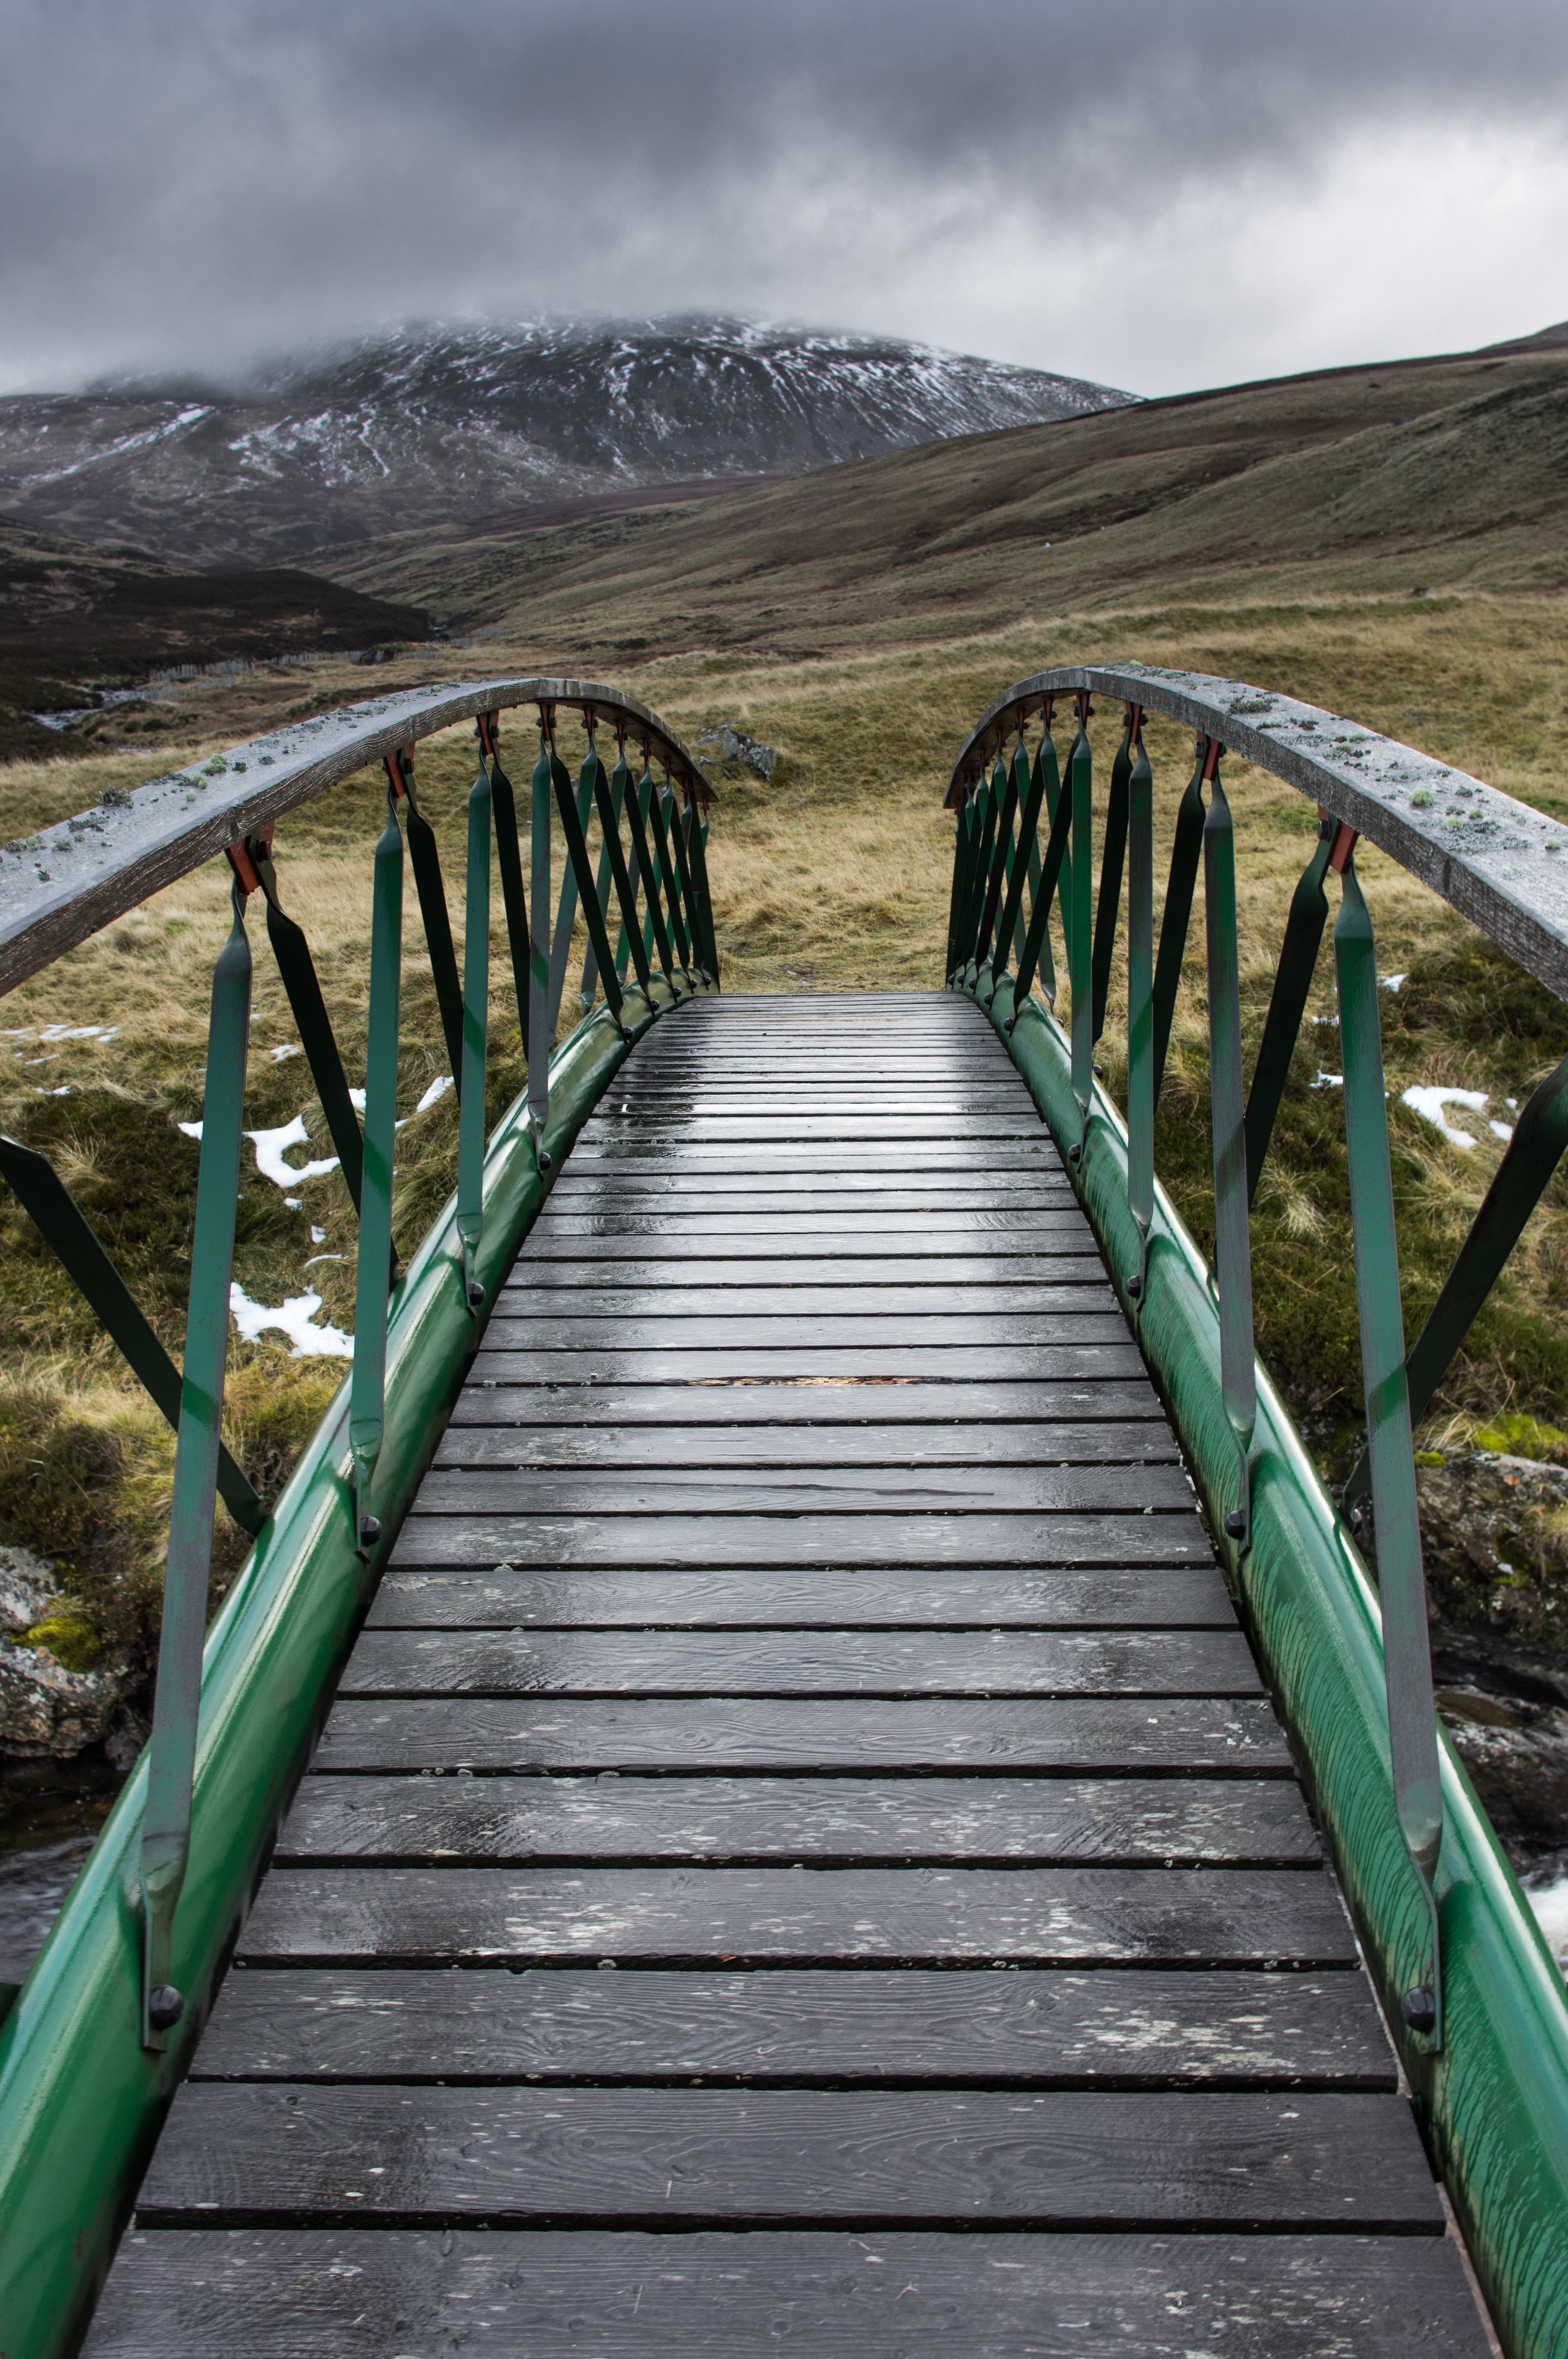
(1392, 982)
(1429, 1103)
(1503, 1130)
(294, 1203)
(294, 1316)
(192, 1129)
(435, 1093)
(71, 1031)
(318, 1236)
(357, 1100)
(269, 1145)
(290, 1048)
(1328, 1081)
(316, 1257)
(1549, 1902)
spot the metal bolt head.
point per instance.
(476, 1292)
(1007, 1024)
(370, 1530)
(164, 2007)
(1074, 1154)
(1236, 1524)
(1419, 2007)
(1135, 1287)
(1100, 1072)
(544, 1158)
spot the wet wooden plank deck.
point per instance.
(802, 1850)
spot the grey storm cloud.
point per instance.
(186, 181)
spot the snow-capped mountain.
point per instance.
(453, 423)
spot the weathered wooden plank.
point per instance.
(820, 1915)
(1012, 1276)
(285, 2294)
(750, 1239)
(845, 1662)
(1036, 1183)
(502, 1596)
(1080, 1736)
(825, 1364)
(928, 1160)
(1109, 1821)
(980, 1134)
(1083, 1315)
(1132, 2028)
(805, 1540)
(1005, 1308)
(1197, 2160)
(1110, 1491)
(514, 1442)
(932, 1407)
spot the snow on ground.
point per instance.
(295, 1316)
(1429, 1103)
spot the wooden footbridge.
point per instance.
(827, 1777)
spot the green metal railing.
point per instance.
(51, 895)
(1475, 2002)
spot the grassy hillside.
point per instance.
(1365, 484)
(816, 616)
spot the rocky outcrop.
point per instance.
(46, 1709)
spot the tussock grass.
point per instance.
(833, 874)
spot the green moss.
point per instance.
(71, 1639)
(1521, 1437)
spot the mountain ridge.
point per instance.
(438, 423)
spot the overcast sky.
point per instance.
(1159, 194)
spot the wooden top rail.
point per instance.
(1475, 846)
(61, 885)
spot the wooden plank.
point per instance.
(1014, 1276)
(1231, 1917)
(283, 2294)
(1006, 1309)
(1078, 1735)
(1136, 2028)
(854, 1364)
(639, 1128)
(1086, 1315)
(1109, 1821)
(512, 1441)
(745, 1238)
(805, 1540)
(501, 1596)
(922, 1403)
(1037, 1183)
(845, 1662)
(1197, 2159)
(1110, 1491)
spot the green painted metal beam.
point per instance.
(1494, 2102)
(81, 2100)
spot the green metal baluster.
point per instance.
(303, 987)
(1287, 1002)
(1029, 789)
(47, 1201)
(637, 800)
(509, 859)
(1402, 1588)
(425, 860)
(1036, 942)
(979, 877)
(599, 940)
(631, 932)
(1141, 1002)
(567, 908)
(1232, 1248)
(1080, 947)
(678, 846)
(367, 1386)
(697, 848)
(1185, 854)
(1112, 859)
(1004, 799)
(165, 1835)
(1050, 783)
(539, 1029)
(476, 1026)
(672, 888)
(1537, 1147)
(963, 858)
(592, 964)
